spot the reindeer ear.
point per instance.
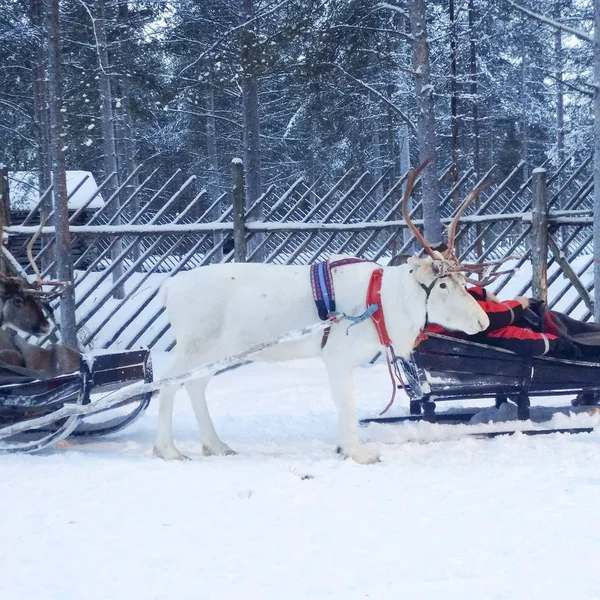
(399, 259)
(10, 287)
(7, 289)
(415, 262)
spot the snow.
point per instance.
(287, 518)
(24, 190)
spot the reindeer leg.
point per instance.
(164, 446)
(211, 443)
(342, 389)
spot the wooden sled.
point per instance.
(445, 368)
(24, 398)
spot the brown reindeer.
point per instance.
(22, 309)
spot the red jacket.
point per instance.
(502, 332)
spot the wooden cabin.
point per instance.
(23, 196)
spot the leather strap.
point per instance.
(374, 297)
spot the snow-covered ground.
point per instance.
(509, 518)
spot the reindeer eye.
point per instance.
(18, 301)
(443, 285)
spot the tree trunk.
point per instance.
(108, 131)
(251, 120)
(40, 103)
(211, 148)
(560, 90)
(404, 145)
(474, 111)
(524, 111)
(454, 103)
(425, 123)
(126, 144)
(126, 162)
(597, 161)
(473, 86)
(64, 260)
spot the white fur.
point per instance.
(220, 310)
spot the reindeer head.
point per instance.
(21, 306)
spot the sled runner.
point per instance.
(23, 397)
(445, 368)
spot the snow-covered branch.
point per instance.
(230, 32)
(582, 35)
(375, 92)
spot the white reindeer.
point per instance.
(220, 310)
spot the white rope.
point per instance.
(137, 389)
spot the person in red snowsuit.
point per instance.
(508, 330)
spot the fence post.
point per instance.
(539, 236)
(239, 211)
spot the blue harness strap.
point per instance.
(322, 284)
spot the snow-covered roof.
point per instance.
(24, 192)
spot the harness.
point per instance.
(324, 297)
(321, 281)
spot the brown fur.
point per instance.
(54, 360)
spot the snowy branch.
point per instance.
(387, 6)
(230, 32)
(406, 36)
(582, 35)
(374, 91)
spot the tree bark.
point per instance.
(560, 90)
(211, 148)
(476, 163)
(64, 260)
(108, 131)
(126, 161)
(473, 86)
(251, 120)
(126, 144)
(597, 161)
(41, 103)
(524, 103)
(454, 102)
(425, 123)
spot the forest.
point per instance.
(294, 88)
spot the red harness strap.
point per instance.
(374, 297)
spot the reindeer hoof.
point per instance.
(361, 455)
(217, 450)
(168, 454)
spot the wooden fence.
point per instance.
(151, 230)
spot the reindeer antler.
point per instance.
(39, 282)
(36, 235)
(450, 263)
(410, 184)
(463, 207)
